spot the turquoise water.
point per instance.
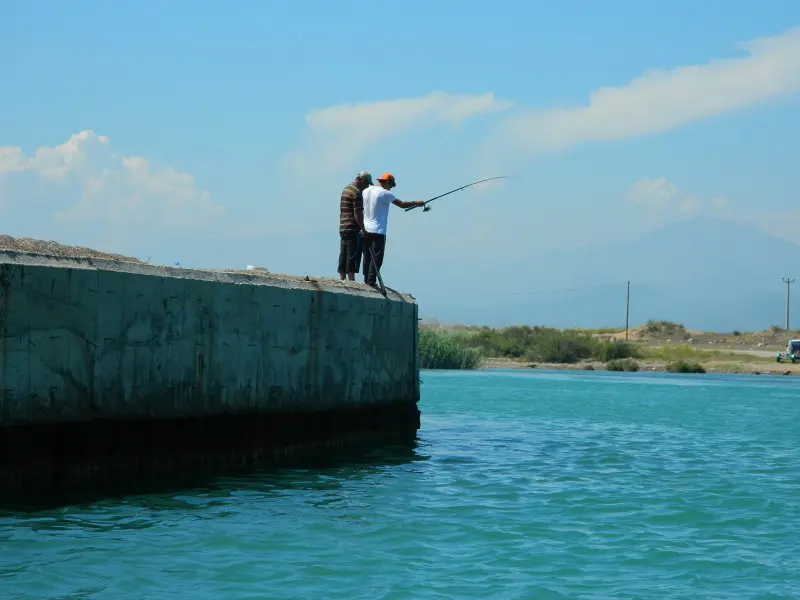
(522, 485)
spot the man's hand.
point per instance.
(419, 203)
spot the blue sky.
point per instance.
(220, 134)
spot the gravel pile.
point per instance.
(32, 246)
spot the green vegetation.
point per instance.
(599, 331)
(440, 349)
(544, 344)
(622, 364)
(686, 353)
(684, 366)
(740, 358)
(466, 347)
(445, 350)
(677, 352)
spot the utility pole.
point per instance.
(628, 310)
(788, 282)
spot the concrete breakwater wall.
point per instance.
(109, 364)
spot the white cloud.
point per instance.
(657, 192)
(719, 203)
(106, 187)
(662, 199)
(336, 136)
(11, 160)
(781, 224)
(660, 100)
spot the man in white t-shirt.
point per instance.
(377, 199)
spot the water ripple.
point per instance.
(522, 486)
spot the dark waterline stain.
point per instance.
(47, 467)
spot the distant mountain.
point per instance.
(707, 273)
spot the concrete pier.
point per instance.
(111, 366)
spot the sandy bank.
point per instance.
(727, 366)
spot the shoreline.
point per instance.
(712, 367)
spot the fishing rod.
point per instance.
(426, 208)
(377, 270)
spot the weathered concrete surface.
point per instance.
(95, 339)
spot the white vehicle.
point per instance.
(792, 352)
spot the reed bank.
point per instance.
(125, 370)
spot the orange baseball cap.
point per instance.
(386, 177)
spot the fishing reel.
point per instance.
(426, 208)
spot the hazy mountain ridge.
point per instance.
(707, 273)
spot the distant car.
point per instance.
(792, 352)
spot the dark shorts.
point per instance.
(374, 248)
(349, 252)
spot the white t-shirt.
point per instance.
(377, 202)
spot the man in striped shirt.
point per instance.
(351, 224)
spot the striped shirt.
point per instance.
(350, 201)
